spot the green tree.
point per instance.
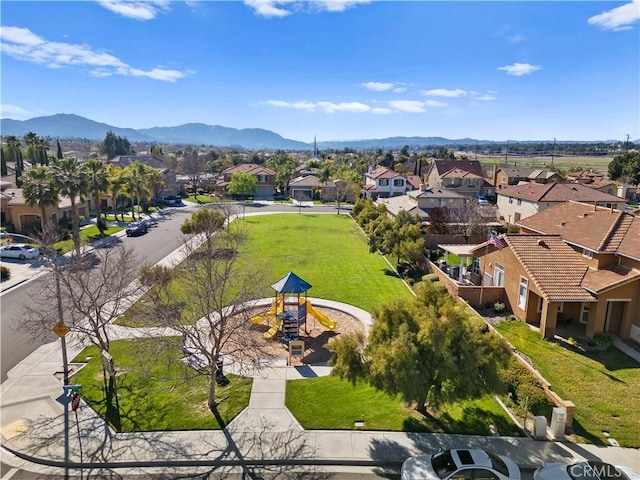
(116, 184)
(98, 182)
(625, 167)
(284, 166)
(59, 155)
(72, 181)
(205, 219)
(113, 146)
(428, 353)
(40, 189)
(136, 184)
(243, 184)
(41, 147)
(3, 163)
(30, 142)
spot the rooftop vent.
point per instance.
(541, 243)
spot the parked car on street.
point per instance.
(482, 200)
(19, 250)
(137, 228)
(472, 464)
(589, 470)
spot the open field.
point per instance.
(564, 163)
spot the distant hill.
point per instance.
(65, 125)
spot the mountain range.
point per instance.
(65, 125)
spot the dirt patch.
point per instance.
(315, 336)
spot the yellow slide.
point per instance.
(273, 330)
(321, 317)
(270, 314)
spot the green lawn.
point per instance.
(156, 391)
(329, 252)
(331, 403)
(87, 235)
(604, 385)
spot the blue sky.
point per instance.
(332, 69)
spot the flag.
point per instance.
(495, 241)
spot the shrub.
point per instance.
(430, 277)
(602, 340)
(512, 318)
(513, 229)
(5, 273)
(498, 307)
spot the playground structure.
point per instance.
(289, 316)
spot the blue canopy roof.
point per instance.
(291, 283)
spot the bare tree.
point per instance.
(221, 286)
(466, 218)
(194, 166)
(92, 291)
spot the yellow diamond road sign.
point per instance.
(61, 329)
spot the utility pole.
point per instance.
(626, 145)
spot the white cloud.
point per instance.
(400, 89)
(487, 97)
(139, 10)
(516, 38)
(354, 107)
(619, 18)
(520, 69)
(283, 8)
(435, 103)
(16, 113)
(382, 111)
(378, 86)
(295, 105)
(443, 92)
(23, 44)
(410, 106)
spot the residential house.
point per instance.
(506, 175)
(521, 201)
(266, 179)
(15, 210)
(607, 241)
(421, 202)
(463, 176)
(383, 182)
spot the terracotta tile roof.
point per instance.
(383, 172)
(414, 181)
(597, 228)
(558, 192)
(526, 172)
(598, 281)
(630, 244)
(251, 168)
(431, 192)
(553, 266)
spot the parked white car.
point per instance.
(589, 470)
(461, 464)
(19, 250)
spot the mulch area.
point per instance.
(316, 336)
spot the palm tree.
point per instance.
(136, 184)
(98, 181)
(155, 180)
(30, 142)
(41, 146)
(72, 181)
(115, 185)
(40, 189)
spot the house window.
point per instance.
(441, 202)
(498, 275)
(584, 312)
(561, 307)
(398, 182)
(510, 199)
(476, 266)
(587, 253)
(384, 182)
(519, 201)
(522, 293)
(262, 179)
(539, 309)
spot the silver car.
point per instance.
(589, 470)
(19, 250)
(472, 464)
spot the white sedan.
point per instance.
(19, 250)
(589, 470)
(472, 464)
